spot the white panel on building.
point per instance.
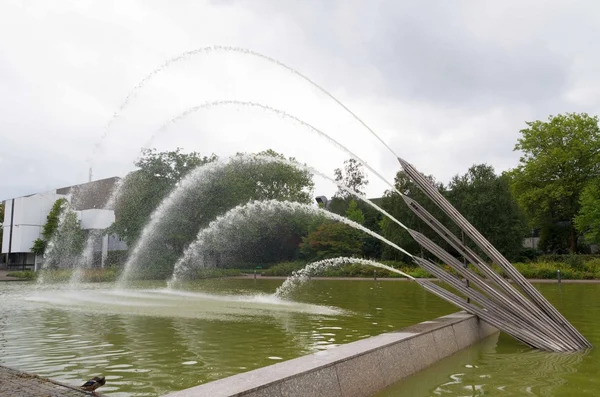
(96, 219)
(30, 217)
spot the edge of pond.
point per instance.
(531, 280)
(360, 368)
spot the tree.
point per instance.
(560, 158)
(52, 222)
(353, 176)
(395, 206)
(588, 219)
(144, 189)
(206, 195)
(354, 213)
(485, 199)
(330, 240)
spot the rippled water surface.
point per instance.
(148, 341)
(503, 367)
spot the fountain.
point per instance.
(303, 275)
(190, 317)
(528, 317)
(193, 255)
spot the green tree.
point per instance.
(52, 221)
(242, 179)
(354, 213)
(330, 240)
(395, 206)
(588, 219)
(145, 188)
(352, 176)
(559, 159)
(485, 199)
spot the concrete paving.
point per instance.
(3, 277)
(15, 383)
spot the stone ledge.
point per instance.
(357, 369)
(17, 383)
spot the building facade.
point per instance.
(25, 217)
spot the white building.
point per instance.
(24, 218)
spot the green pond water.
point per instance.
(148, 341)
(500, 366)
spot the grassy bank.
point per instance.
(588, 269)
(108, 274)
(353, 270)
(574, 268)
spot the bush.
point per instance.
(351, 270)
(116, 258)
(214, 272)
(564, 257)
(284, 269)
(549, 270)
(93, 275)
(528, 255)
(24, 275)
(575, 262)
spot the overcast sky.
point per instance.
(446, 84)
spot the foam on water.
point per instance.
(171, 303)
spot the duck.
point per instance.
(94, 383)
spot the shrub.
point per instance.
(25, 275)
(214, 272)
(563, 257)
(284, 269)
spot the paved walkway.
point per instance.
(3, 277)
(19, 384)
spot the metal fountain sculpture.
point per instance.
(526, 315)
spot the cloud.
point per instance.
(445, 84)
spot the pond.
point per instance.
(149, 341)
(503, 367)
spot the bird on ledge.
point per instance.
(93, 384)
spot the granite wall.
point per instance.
(357, 369)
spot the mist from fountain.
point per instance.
(300, 277)
(210, 49)
(61, 249)
(280, 113)
(184, 195)
(187, 193)
(202, 176)
(86, 259)
(194, 254)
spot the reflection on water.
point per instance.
(506, 368)
(149, 341)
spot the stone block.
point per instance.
(486, 329)
(423, 351)
(321, 382)
(445, 341)
(360, 376)
(396, 362)
(466, 332)
(272, 390)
